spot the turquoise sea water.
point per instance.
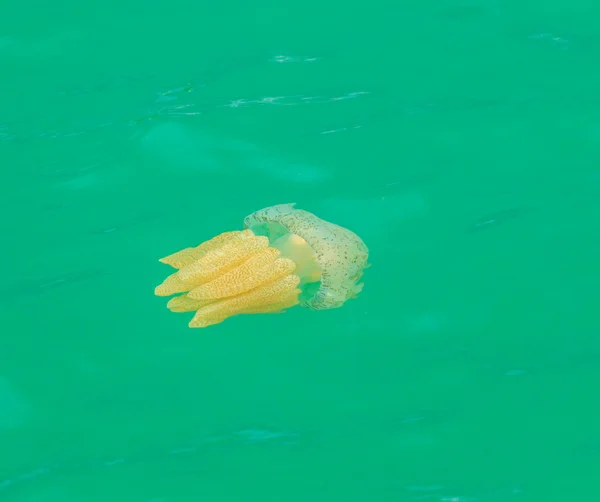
(459, 138)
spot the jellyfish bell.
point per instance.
(283, 257)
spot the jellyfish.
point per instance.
(283, 257)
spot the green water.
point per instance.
(459, 138)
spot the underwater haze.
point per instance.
(460, 139)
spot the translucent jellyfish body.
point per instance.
(283, 257)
